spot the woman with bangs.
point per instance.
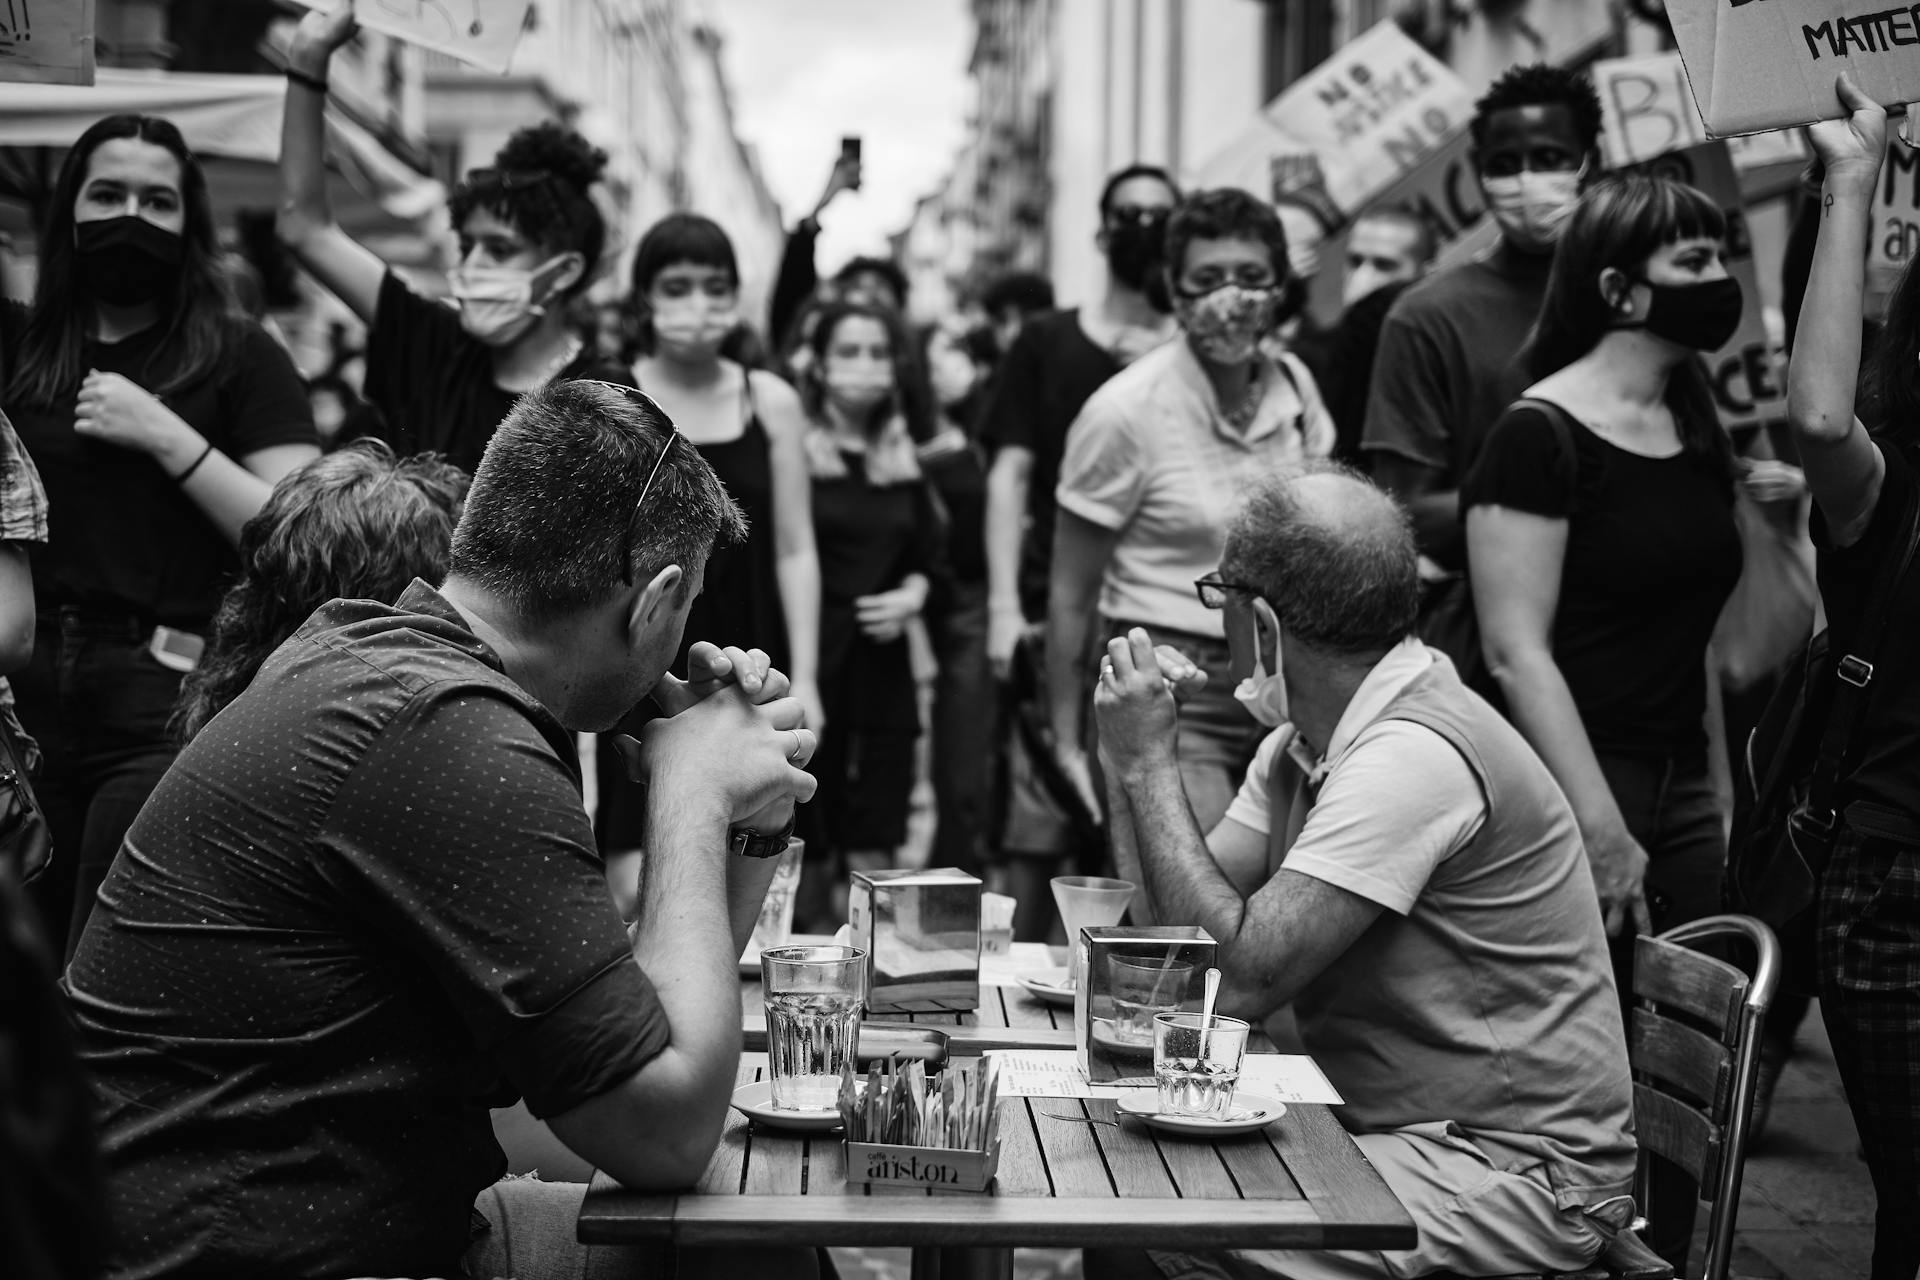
(879, 534)
(1602, 547)
(749, 426)
(531, 238)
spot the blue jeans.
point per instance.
(99, 703)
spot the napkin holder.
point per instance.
(1110, 1047)
(939, 1168)
(921, 933)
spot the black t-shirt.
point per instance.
(122, 536)
(1037, 393)
(1886, 768)
(1652, 555)
(362, 908)
(433, 381)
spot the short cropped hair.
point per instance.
(1402, 216)
(550, 524)
(1541, 85)
(1225, 213)
(1349, 586)
(1122, 177)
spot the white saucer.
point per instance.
(1249, 1112)
(755, 1101)
(1049, 986)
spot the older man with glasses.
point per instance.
(1400, 869)
(364, 906)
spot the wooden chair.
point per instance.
(1695, 1051)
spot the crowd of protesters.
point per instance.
(255, 677)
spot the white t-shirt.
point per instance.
(1151, 458)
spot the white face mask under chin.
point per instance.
(1530, 207)
(1263, 695)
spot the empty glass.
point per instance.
(1196, 1063)
(1088, 902)
(813, 999)
(1141, 987)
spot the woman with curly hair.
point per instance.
(531, 238)
(358, 524)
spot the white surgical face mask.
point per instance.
(1265, 695)
(693, 324)
(498, 304)
(1530, 207)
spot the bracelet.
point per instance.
(316, 83)
(195, 464)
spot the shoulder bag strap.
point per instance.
(1853, 674)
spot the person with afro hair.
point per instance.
(531, 238)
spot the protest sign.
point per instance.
(47, 41)
(1746, 374)
(1895, 234)
(482, 32)
(1768, 64)
(1648, 111)
(1379, 108)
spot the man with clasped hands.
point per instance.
(364, 907)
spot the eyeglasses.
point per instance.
(1213, 589)
(508, 179)
(640, 400)
(1143, 215)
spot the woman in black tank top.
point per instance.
(749, 426)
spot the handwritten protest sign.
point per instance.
(482, 32)
(46, 41)
(1377, 109)
(1768, 64)
(1895, 237)
(1649, 111)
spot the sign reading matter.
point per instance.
(46, 41)
(1767, 64)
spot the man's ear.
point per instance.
(1101, 239)
(1266, 634)
(653, 603)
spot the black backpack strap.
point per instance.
(1853, 674)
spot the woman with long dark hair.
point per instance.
(160, 418)
(749, 426)
(531, 238)
(878, 529)
(1863, 486)
(358, 524)
(1602, 547)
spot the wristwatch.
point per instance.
(748, 843)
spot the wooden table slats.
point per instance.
(1299, 1183)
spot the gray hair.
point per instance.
(552, 524)
(1336, 560)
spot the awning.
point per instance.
(232, 123)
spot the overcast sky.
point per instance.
(806, 72)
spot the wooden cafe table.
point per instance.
(1300, 1183)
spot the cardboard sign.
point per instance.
(47, 41)
(1895, 235)
(1649, 111)
(1769, 64)
(482, 32)
(1749, 385)
(1375, 111)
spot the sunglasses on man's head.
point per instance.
(508, 179)
(640, 400)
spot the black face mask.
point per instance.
(1136, 250)
(1702, 316)
(126, 261)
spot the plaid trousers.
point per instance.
(1869, 941)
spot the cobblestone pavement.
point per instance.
(1806, 1211)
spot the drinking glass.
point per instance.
(775, 924)
(1088, 902)
(1196, 1062)
(813, 998)
(1143, 986)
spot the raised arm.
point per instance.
(1843, 467)
(349, 270)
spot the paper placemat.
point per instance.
(1056, 1073)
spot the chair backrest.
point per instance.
(1695, 1051)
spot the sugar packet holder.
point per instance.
(903, 1130)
